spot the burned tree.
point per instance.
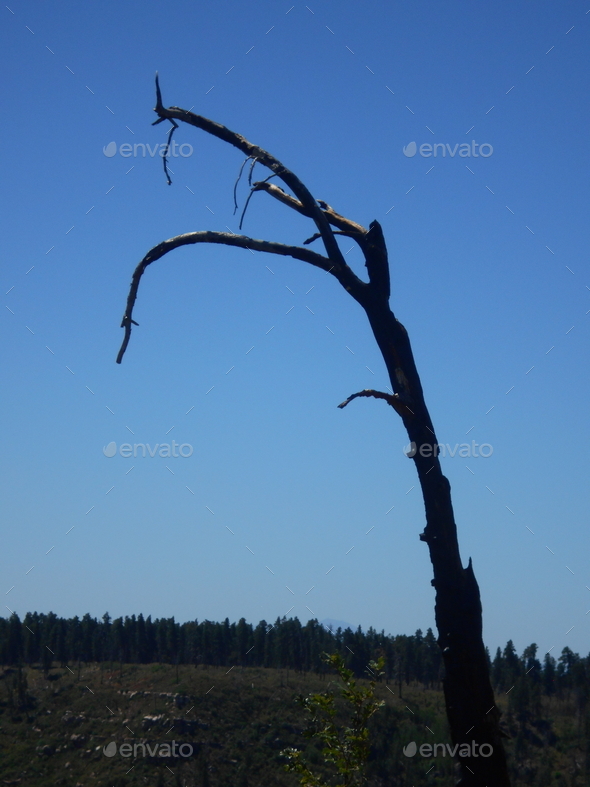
(471, 710)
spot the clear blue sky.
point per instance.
(489, 263)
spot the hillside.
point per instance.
(55, 727)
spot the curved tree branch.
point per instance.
(397, 404)
(345, 276)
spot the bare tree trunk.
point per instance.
(471, 710)
(469, 698)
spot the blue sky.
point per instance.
(489, 265)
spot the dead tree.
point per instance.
(471, 710)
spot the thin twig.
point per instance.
(167, 148)
(237, 182)
(254, 188)
(252, 165)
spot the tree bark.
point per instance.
(469, 698)
(471, 711)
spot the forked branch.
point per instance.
(258, 154)
(303, 202)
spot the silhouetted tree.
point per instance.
(470, 705)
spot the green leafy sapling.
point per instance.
(345, 747)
